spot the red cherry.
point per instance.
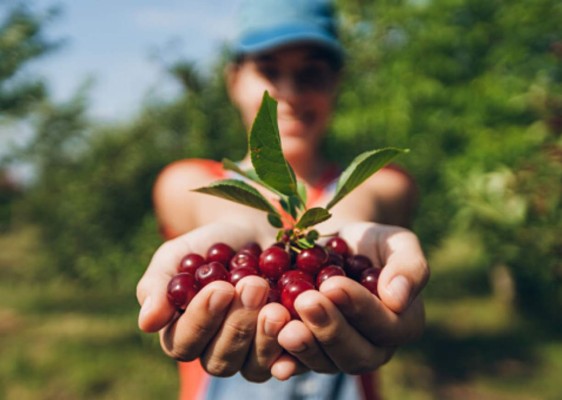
(241, 272)
(244, 259)
(328, 272)
(190, 262)
(213, 271)
(291, 291)
(220, 252)
(293, 275)
(356, 264)
(338, 246)
(311, 260)
(251, 247)
(182, 288)
(273, 262)
(370, 279)
(335, 259)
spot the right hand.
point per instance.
(230, 329)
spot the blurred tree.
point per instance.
(22, 40)
(93, 195)
(474, 88)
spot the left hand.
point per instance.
(343, 326)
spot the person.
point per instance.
(230, 342)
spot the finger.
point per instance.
(382, 326)
(398, 250)
(266, 350)
(229, 348)
(299, 341)
(287, 366)
(350, 351)
(186, 338)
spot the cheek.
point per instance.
(249, 100)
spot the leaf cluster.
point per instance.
(272, 172)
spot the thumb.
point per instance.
(405, 272)
(156, 311)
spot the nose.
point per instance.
(286, 88)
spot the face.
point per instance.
(303, 82)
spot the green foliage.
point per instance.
(474, 87)
(22, 40)
(92, 199)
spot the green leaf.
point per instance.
(265, 150)
(361, 168)
(301, 188)
(275, 221)
(239, 192)
(312, 217)
(304, 243)
(248, 174)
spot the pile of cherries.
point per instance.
(288, 272)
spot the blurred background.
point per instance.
(96, 97)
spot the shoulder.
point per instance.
(396, 194)
(190, 170)
(394, 182)
(174, 201)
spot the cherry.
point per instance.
(338, 246)
(251, 247)
(293, 275)
(241, 272)
(182, 288)
(190, 262)
(356, 264)
(213, 271)
(335, 259)
(220, 252)
(244, 259)
(291, 291)
(273, 262)
(311, 260)
(370, 280)
(328, 272)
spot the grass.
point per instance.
(59, 340)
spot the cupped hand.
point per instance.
(343, 326)
(229, 328)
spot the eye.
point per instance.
(269, 72)
(314, 78)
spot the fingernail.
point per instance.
(399, 288)
(219, 301)
(317, 315)
(145, 308)
(252, 296)
(271, 328)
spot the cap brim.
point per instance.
(285, 36)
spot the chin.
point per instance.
(296, 146)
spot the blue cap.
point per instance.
(269, 24)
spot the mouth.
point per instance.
(306, 117)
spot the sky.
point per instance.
(115, 42)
